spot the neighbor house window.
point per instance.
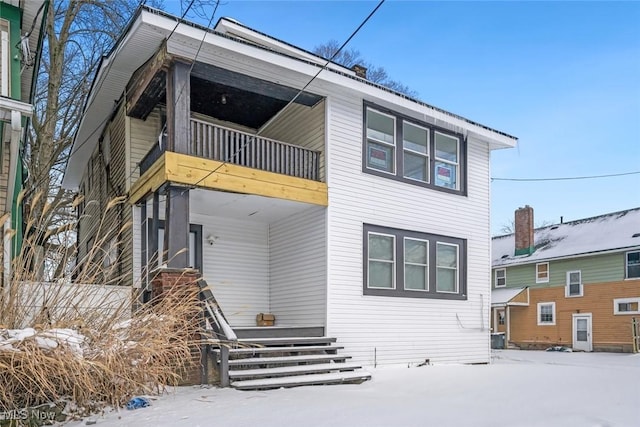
(407, 150)
(501, 317)
(5, 59)
(542, 272)
(413, 264)
(633, 265)
(574, 284)
(626, 306)
(501, 277)
(546, 313)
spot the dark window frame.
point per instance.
(626, 265)
(399, 290)
(193, 228)
(398, 174)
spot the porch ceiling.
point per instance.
(215, 92)
(243, 206)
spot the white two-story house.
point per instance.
(345, 206)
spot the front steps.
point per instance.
(278, 358)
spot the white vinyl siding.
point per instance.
(236, 266)
(298, 268)
(392, 330)
(302, 126)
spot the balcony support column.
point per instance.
(176, 232)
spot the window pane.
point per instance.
(414, 138)
(446, 148)
(446, 280)
(633, 265)
(415, 167)
(574, 277)
(415, 251)
(574, 289)
(447, 255)
(380, 247)
(380, 156)
(380, 274)
(380, 127)
(415, 277)
(446, 175)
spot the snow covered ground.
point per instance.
(520, 388)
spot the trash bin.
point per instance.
(497, 340)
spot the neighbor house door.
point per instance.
(582, 332)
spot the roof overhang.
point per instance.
(149, 29)
(510, 297)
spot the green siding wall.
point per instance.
(594, 269)
(14, 16)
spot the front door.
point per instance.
(582, 332)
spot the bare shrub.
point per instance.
(80, 340)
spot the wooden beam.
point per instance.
(196, 171)
(178, 107)
(150, 181)
(142, 79)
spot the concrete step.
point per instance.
(355, 377)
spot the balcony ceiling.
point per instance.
(226, 95)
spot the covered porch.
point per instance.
(502, 301)
(258, 254)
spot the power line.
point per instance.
(568, 178)
(272, 119)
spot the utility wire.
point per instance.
(565, 178)
(264, 126)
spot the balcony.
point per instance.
(225, 159)
(235, 147)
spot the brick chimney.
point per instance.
(360, 71)
(524, 231)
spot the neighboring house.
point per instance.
(356, 209)
(20, 48)
(575, 284)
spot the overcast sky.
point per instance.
(564, 77)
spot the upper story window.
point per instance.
(501, 277)
(542, 272)
(405, 263)
(406, 150)
(574, 284)
(633, 265)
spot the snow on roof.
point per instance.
(503, 296)
(610, 232)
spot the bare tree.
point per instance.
(510, 227)
(351, 57)
(78, 33)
